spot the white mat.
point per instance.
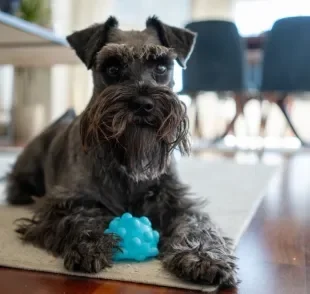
(234, 192)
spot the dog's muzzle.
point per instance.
(121, 107)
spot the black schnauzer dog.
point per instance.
(116, 157)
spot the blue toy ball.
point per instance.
(139, 240)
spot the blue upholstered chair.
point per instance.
(216, 64)
(286, 63)
(9, 6)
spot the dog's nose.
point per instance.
(143, 103)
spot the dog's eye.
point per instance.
(113, 70)
(160, 69)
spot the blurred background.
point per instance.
(246, 85)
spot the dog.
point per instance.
(117, 156)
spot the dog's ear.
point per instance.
(89, 41)
(181, 40)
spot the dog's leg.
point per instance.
(191, 246)
(72, 226)
(196, 251)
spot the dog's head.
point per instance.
(133, 109)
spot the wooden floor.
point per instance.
(274, 253)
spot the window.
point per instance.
(255, 17)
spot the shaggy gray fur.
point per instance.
(116, 157)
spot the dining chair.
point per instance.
(286, 63)
(217, 64)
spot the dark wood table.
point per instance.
(274, 253)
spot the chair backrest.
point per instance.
(217, 61)
(286, 63)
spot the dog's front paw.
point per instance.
(91, 255)
(212, 266)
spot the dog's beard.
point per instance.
(142, 155)
(141, 144)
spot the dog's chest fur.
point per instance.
(106, 181)
(121, 193)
